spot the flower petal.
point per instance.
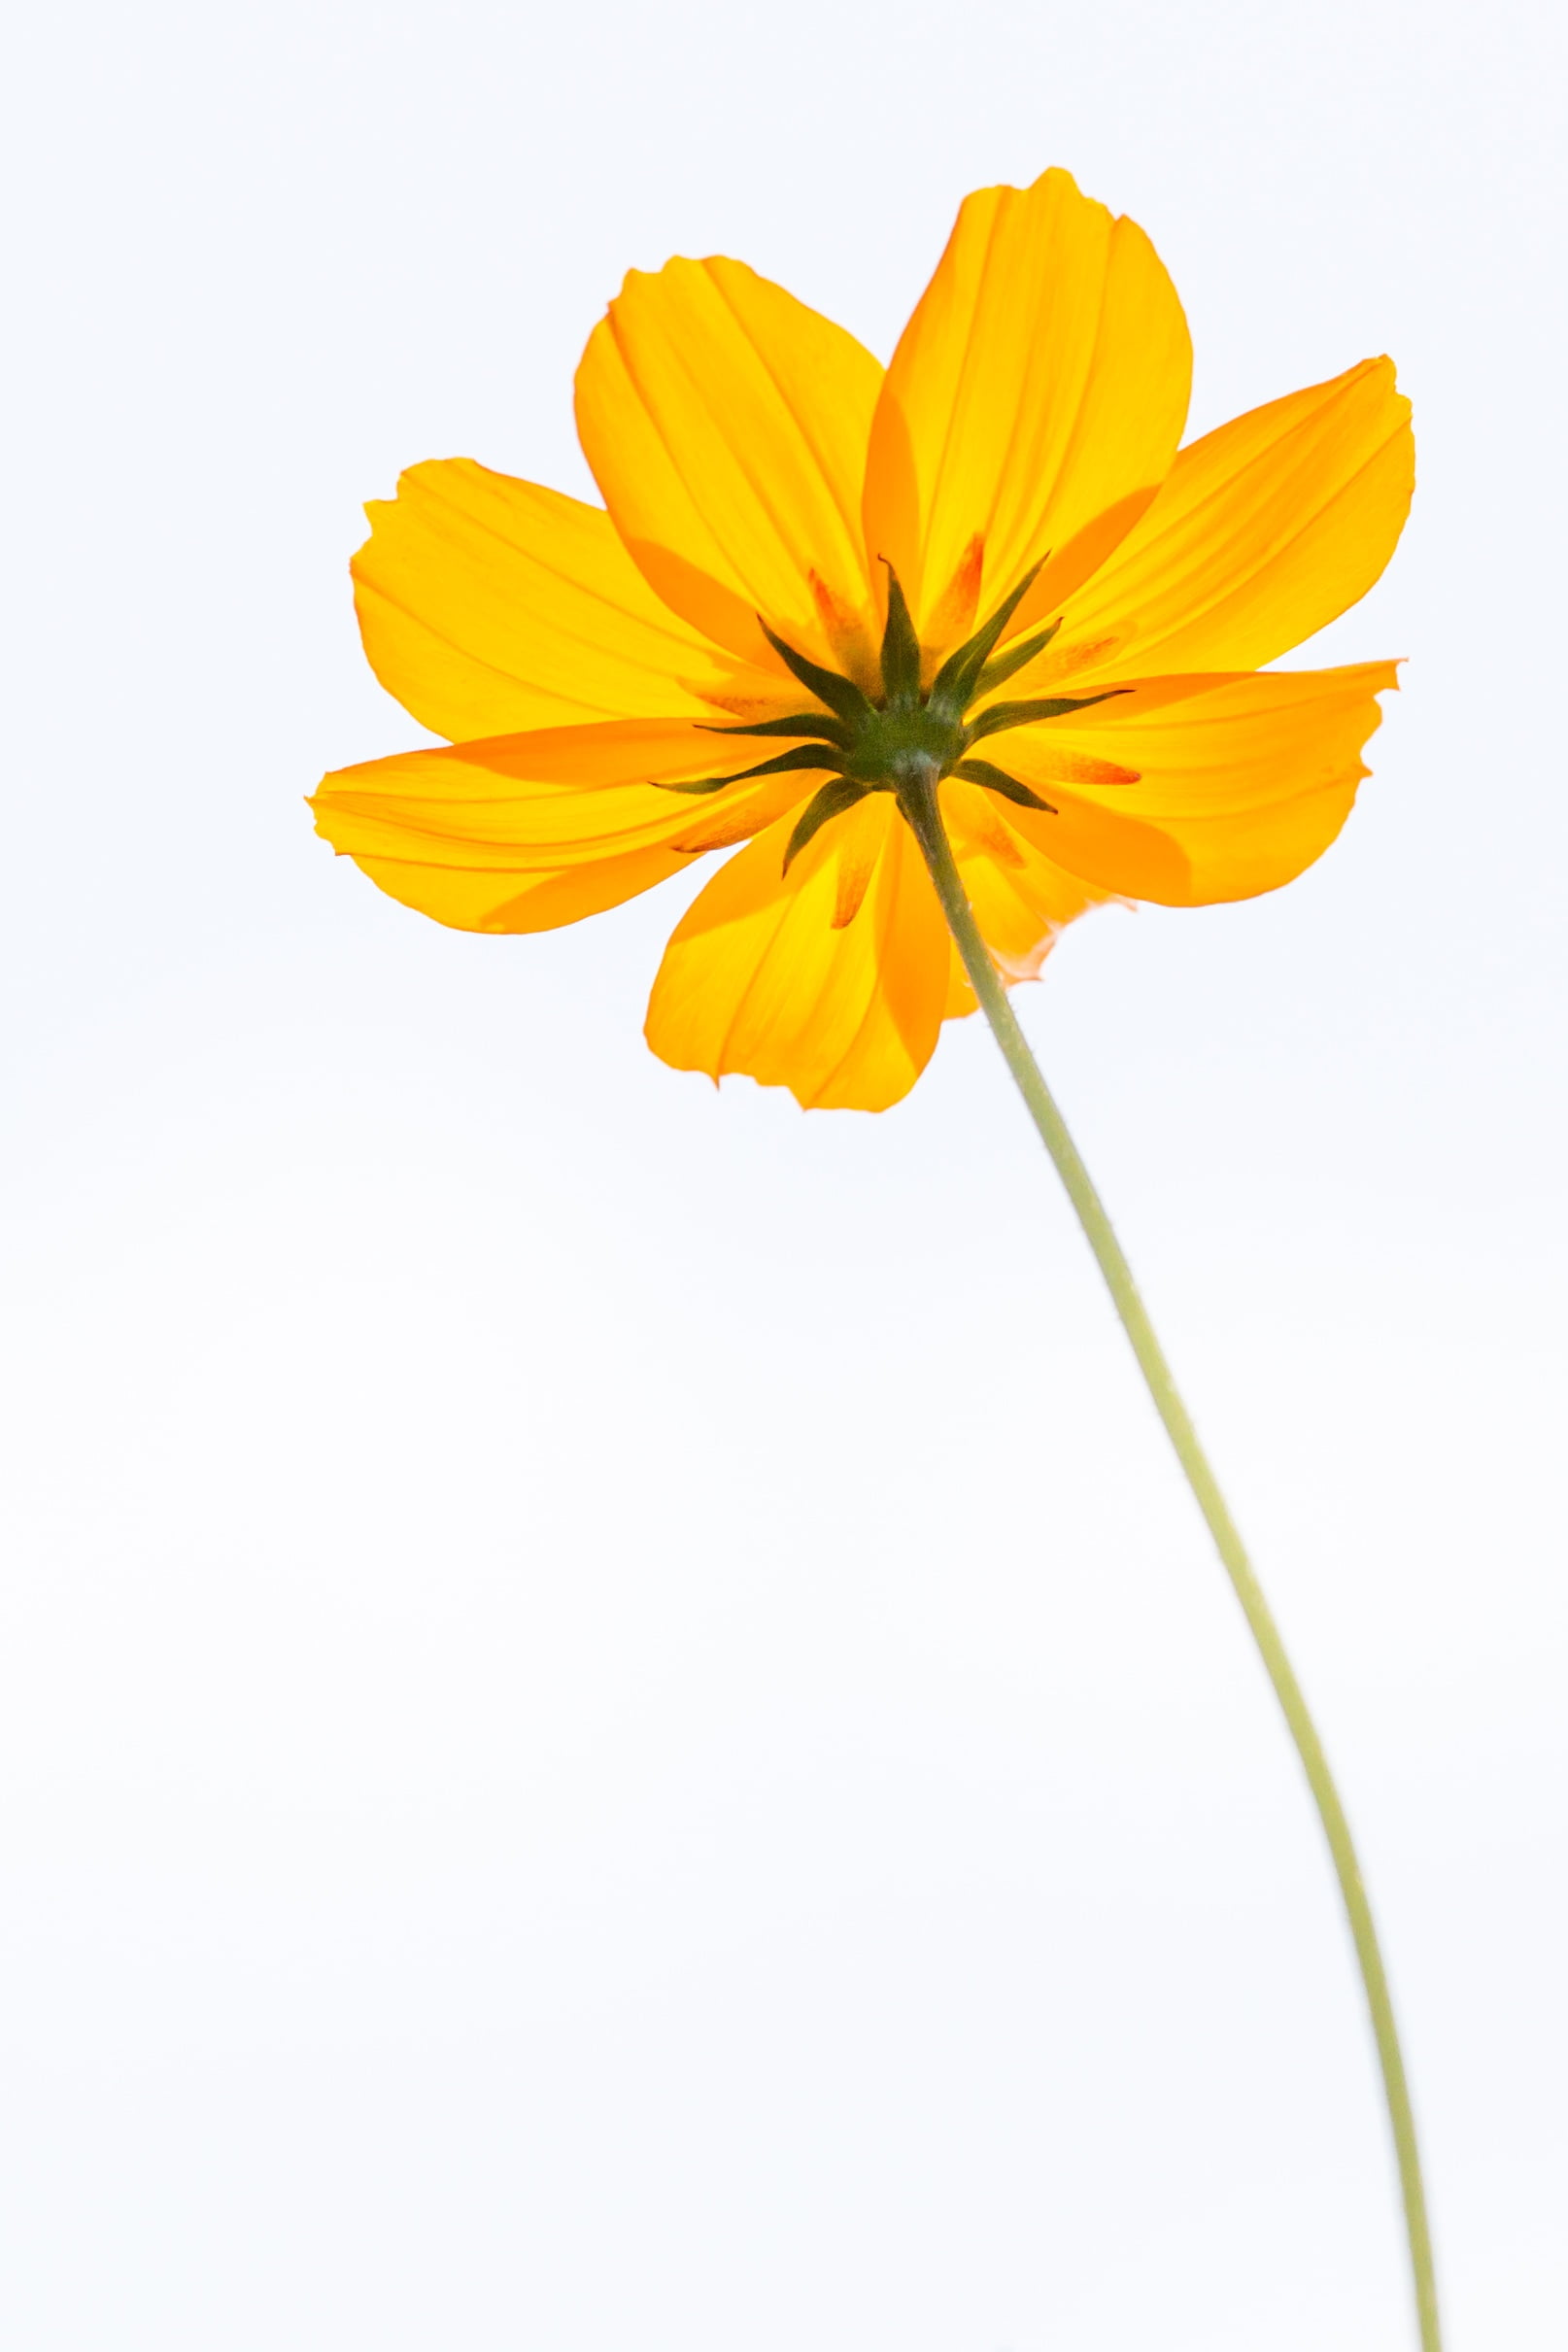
(727, 425)
(760, 977)
(1241, 787)
(489, 604)
(527, 832)
(1036, 397)
(1265, 532)
(1022, 900)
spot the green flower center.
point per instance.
(904, 740)
(896, 743)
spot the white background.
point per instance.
(616, 1735)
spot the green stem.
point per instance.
(918, 802)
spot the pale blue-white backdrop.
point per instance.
(616, 1735)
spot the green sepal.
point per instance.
(812, 722)
(830, 803)
(1008, 664)
(841, 695)
(901, 647)
(1008, 788)
(1002, 715)
(804, 755)
(956, 681)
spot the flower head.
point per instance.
(991, 563)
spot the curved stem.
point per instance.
(918, 801)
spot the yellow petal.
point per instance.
(727, 425)
(527, 832)
(1022, 900)
(1264, 532)
(1037, 395)
(1240, 787)
(760, 979)
(489, 604)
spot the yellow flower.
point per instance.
(992, 555)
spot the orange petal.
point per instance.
(1240, 787)
(758, 978)
(527, 832)
(1265, 532)
(1023, 900)
(727, 425)
(489, 604)
(1037, 395)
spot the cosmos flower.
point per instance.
(945, 655)
(993, 557)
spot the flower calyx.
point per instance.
(905, 739)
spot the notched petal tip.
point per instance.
(1041, 384)
(758, 978)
